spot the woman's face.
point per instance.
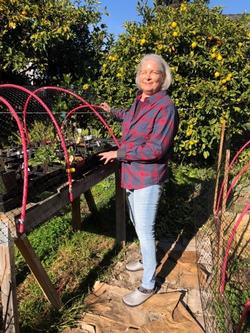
(150, 77)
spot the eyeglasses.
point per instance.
(145, 73)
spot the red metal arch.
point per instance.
(59, 132)
(230, 166)
(85, 104)
(25, 161)
(243, 316)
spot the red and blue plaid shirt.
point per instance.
(147, 140)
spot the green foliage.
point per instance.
(49, 236)
(46, 239)
(43, 136)
(242, 161)
(235, 297)
(44, 156)
(186, 174)
(41, 133)
(207, 53)
(14, 139)
(43, 40)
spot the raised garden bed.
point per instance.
(44, 178)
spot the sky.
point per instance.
(125, 10)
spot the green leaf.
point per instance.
(206, 154)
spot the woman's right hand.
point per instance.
(105, 106)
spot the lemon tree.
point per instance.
(208, 54)
(42, 41)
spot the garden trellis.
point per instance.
(223, 249)
(32, 193)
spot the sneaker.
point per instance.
(138, 296)
(134, 266)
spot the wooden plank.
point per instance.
(38, 271)
(223, 220)
(8, 279)
(50, 206)
(76, 214)
(222, 137)
(91, 202)
(120, 210)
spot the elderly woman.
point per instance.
(148, 128)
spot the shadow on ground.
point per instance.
(183, 211)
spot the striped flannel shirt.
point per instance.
(147, 140)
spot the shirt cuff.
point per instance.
(121, 154)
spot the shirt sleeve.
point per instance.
(118, 113)
(159, 142)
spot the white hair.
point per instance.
(163, 66)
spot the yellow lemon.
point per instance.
(183, 7)
(85, 86)
(213, 55)
(175, 34)
(194, 45)
(223, 81)
(12, 25)
(216, 74)
(240, 44)
(142, 41)
(248, 34)
(173, 24)
(160, 46)
(219, 57)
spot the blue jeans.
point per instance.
(143, 204)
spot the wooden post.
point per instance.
(223, 223)
(219, 165)
(226, 175)
(38, 271)
(76, 214)
(120, 210)
(8, 279)
(91, 202)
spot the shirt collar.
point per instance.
(153, 98)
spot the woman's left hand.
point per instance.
(108, 156)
